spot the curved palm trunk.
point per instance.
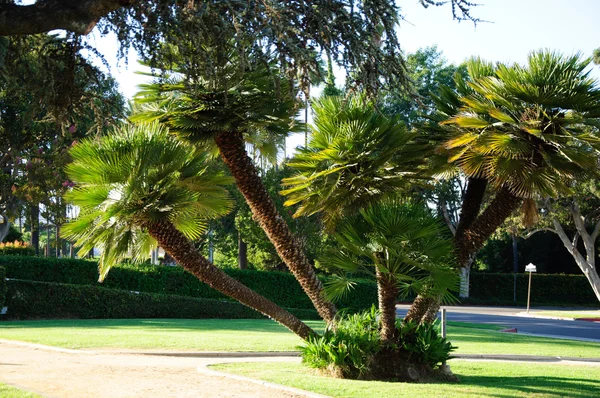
(469, 238)
(233, 152)
(184, 252)
(387, 292)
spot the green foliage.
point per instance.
(404, 240)
(360, 36)
(280, 287)
(356, 156)
(347, 350)
(428, 71)
(545, 289)
(16, 249)
(2, 286)
(424, 343)
(13, 235)
(531, 129)
(139, 174)
(350, 349)
(257, 100)
(28, 299)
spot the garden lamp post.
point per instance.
(529, 268)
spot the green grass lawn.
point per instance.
(569, 314)
(11, 392)
(478, 379)
(254, 335)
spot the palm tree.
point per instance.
(356, 157)
(226, 110)
(518, 131)
(139, 185)
(404, 246)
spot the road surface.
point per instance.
(509, 317)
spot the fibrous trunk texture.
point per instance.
(471, 234)
(184, 252)
(387, 291)
(233, 152)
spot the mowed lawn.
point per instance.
(477, 379)
(254, 335)
(11, 392)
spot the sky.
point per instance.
(513, 29)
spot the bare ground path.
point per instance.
(69, 374)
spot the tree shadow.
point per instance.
(534, 385)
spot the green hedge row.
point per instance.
(16, 249)
(2, 286)
(545, 289)
(48, 300)
(280, 287)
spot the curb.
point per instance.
(284, 354)
(209, 372)
(557, 318)
(210, 354)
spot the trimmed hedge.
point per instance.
(545, 289)
(2, 286)
(280, 287)
(16, 248)
(48, 300)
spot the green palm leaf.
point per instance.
(140, 174)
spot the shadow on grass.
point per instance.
(165, 325)
(533, 385)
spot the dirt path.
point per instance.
(71, 374)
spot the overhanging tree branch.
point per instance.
(78, 16)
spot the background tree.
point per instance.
(50, 96)
(427, 70)
(575, 220)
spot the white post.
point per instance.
(444, 322)
(529, 268)
(529, 292)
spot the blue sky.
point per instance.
(515, 28)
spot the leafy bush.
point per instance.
(2, 286)
(424, 343)
(545, 289)
(46, 300)
(354, 350)
(280, 287)
(16, 248)
(347, 351)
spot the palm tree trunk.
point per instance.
(184, 252)
(387, 292)
(233, 152)
(419, 309)
(475, 236)
(469, 238)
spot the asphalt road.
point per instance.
(509, 318)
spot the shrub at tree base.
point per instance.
(355, 351)
(280, 287)
(46, 300)
(2, 286)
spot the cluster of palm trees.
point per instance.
(513, 132)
